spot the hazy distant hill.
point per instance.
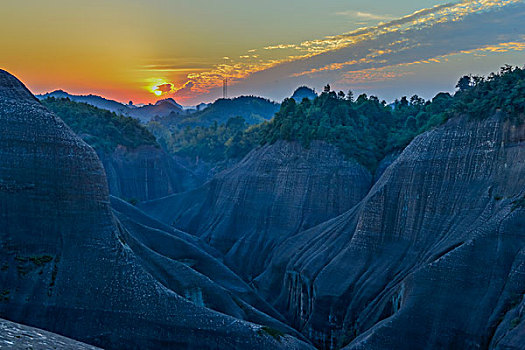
(304, 92)
(93, 100)
(136, 167)
(253, 109)
(144, 113)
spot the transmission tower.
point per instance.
(225, 88)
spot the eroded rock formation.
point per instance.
(276, 191)
(66, 264)
(145, 173)
(433, 257)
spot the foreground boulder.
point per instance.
(14, 336)
(274, 192)
(433, 257)
(65, 265)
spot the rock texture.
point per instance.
(14, 336)
(432, 258)
(274, 192)
(145, 173)
(65, 263)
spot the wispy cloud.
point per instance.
(427, 35)
(364, 15)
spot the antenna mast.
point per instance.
(225, 88)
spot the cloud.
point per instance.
(427, 35)
(165, 88)
(364, 15)
(184, 91)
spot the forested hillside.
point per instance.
(102, 129)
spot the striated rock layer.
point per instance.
(65, 261)
(274, 192)
(145, 173)
(433, 257)
(14, 336)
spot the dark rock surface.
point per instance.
(14, 336)
(433, 257)
(145, 173)
(274, 192)
(190, 268)
(65, 263)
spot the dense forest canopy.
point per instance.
(363, 128)
(304, 92)
(252, 108)
(481, 97)
(102, 129)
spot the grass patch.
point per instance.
(272, 332)
(41, 260)
(4, 295)
(518, 203)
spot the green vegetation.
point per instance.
(518, 203)
(364, 129)
(102, 129)
(272, 332)
(482, 97)
(41, 260)
(214, 144)
(253, 109)
(514, 322)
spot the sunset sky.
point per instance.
(143, 50)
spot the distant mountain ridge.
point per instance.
(144, 113)
(253, 109)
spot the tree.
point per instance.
(464, 83)
(327, 88)
(350, 96)
(417, 101)
(341, 95)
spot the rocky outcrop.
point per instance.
(14, 336)
(432, 257)
(145, 173)
(273, 193)
(65, 261)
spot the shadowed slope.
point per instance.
(66, 266)
(275, 191)
(433, 257)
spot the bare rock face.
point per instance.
(65, 261)
(273, 193)
(145, 173)
(14, 336)
(433, 257)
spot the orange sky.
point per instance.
(126, 49)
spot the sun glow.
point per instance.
(159, 86)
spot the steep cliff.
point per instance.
(145, 173)
(274, 192)
(432, 257)
(136, 166)
(65, 263)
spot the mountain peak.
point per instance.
(304, 92)
(170, 101)
(13, 89)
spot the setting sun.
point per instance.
(159, 86)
